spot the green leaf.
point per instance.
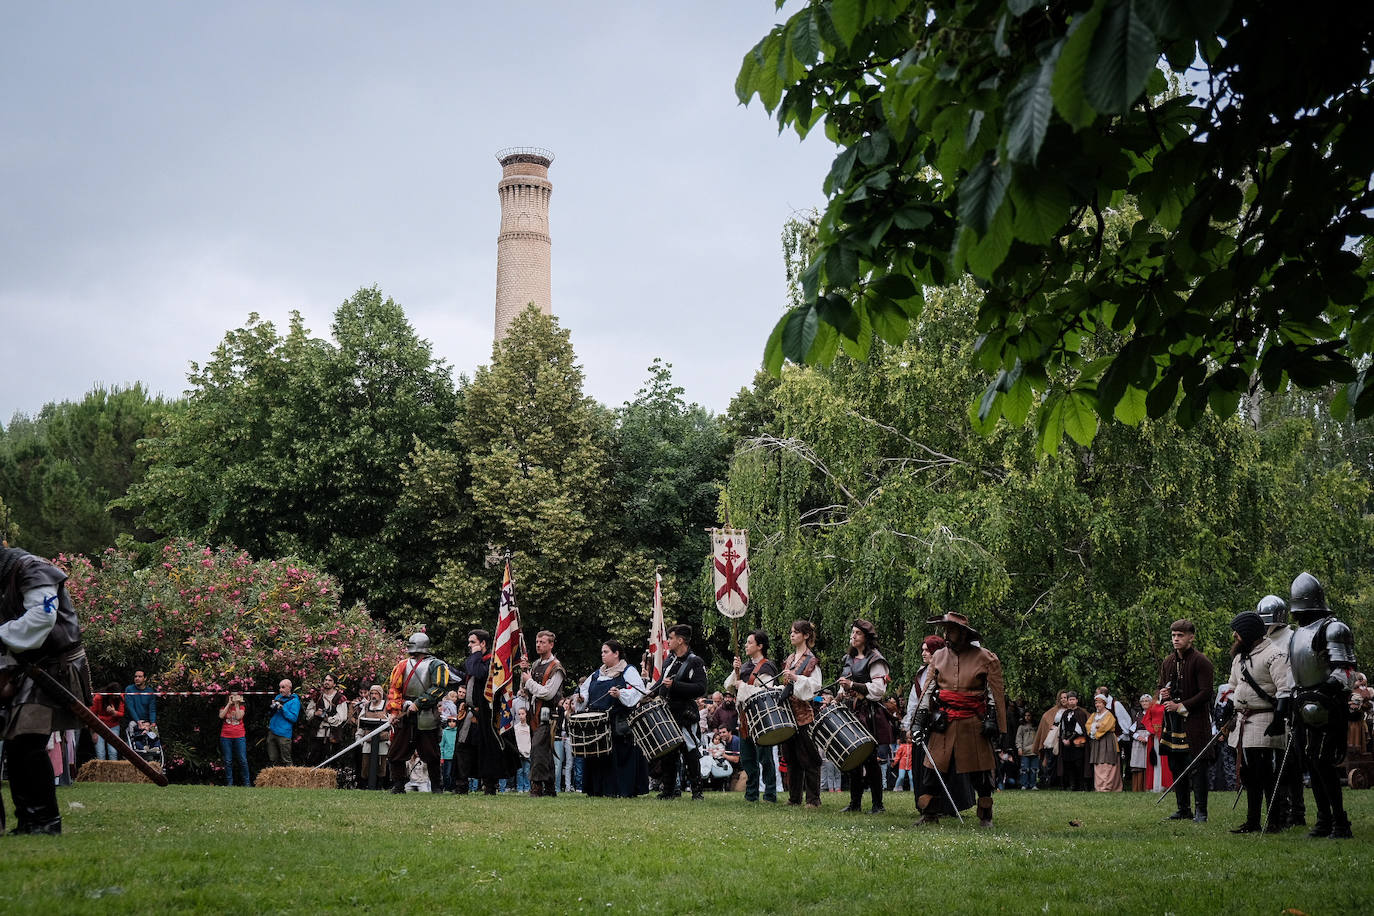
(1016, 403)
(1021, 7)
(1051, 423)
(824, 345)
(805, 35)
(1123, 53)
(746, 84)
(1042, 207)
(799, 332)
(1080, 417)
(772, 351)
(1028, 109)
(1173, 19)
(981, 194)
(841, 265)
(838, 178)
(1130, 408)
(1067, 88)
(835, 310)
(766, 79)
(848, 17)
(985, 257)
(889, 320)
(894, 286)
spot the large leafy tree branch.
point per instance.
(1003, 140)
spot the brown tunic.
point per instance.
(1189, 678)
(974, 670)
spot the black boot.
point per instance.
(1182, 814)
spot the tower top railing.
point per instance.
(535, 154)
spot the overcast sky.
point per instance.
(166, 169)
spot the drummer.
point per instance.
(614, 688)
(863, 684)
(754, 757)
(801, 675)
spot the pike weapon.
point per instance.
(1189, 768)
(1278, 781)
(53, 688)
(358, 743)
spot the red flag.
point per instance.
(501, 674)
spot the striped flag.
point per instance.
(658, 638)
(502, 658)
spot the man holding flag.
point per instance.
(490, 675)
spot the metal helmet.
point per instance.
(1272, 610)
(1309, 599)
(418, 644)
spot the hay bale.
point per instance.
(297, 778)
(111, 771)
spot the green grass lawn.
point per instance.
(140, 849)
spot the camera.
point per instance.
(276, 704)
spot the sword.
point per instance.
(79, 709)
(940, 779)
(1278, 781)
(359, 743)
(1189, 768)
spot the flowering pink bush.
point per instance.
(217, 620)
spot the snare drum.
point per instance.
(654, 730)
(769, 717)
(841, 737)
(589, 734)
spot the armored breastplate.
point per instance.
(419, 679)
(1310, 663)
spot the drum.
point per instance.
(589, 734)
(654, 730)
(769, 717)
(841, 737)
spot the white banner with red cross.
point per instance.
(730, 568)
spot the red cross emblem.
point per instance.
(731, 572)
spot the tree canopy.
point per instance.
(996, 140)
(293, 446)
(868, 494)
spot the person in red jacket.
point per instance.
(108, 705)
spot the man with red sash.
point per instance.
(960, 713)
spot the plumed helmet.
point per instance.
(1309, 599)
(1272, 609)
(418, 644)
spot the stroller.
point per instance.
(146, 744)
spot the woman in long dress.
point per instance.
(1104, 754)
(615, 688)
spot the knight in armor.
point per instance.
(38, 625)
(1261, 694)
(418, 683)
(543, 686)
(863, 683)
(1185, 692)
(1322, 656)
(961, 712)
(1292, 805)
(755, 759)
(684, 679)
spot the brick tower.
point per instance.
(523, 247)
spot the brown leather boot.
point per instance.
(985, 812)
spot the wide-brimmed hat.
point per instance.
(959, 620)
